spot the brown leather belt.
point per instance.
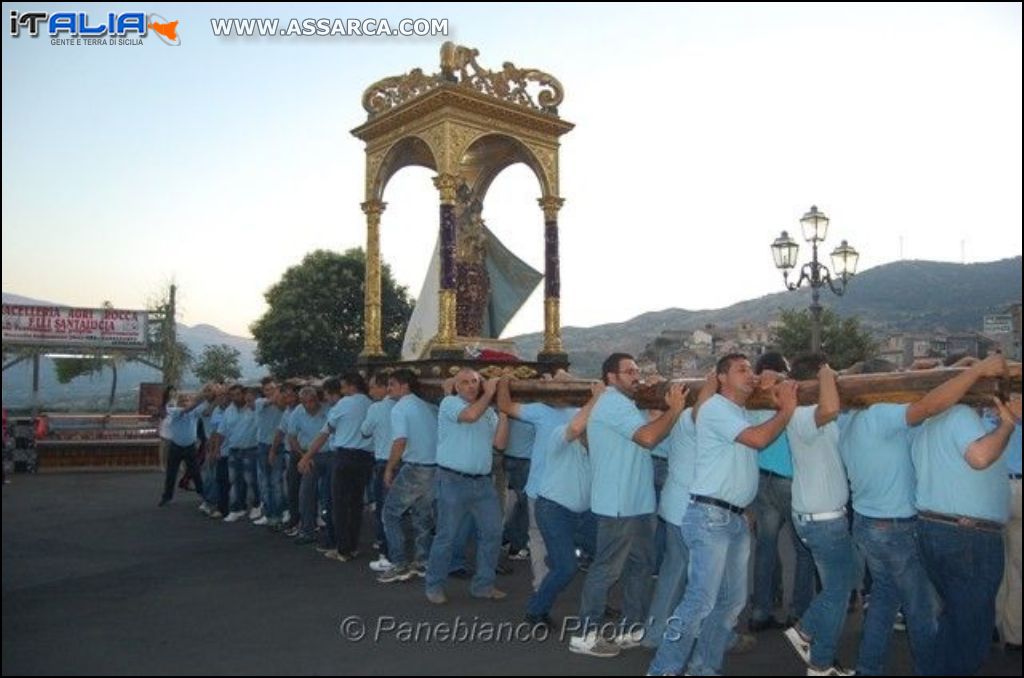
(962, 521)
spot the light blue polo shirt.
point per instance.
(544, 419)
(725, 469)
(268, 416)
(777, 457)
(819, 479)
(946, 483)
(567, 473)
(520, 439)
(345, 420)
(377, 428)
(182, 425)
(211, 421)
(623, 483)
(1012, 452)
(682, 455)
(238, 428)
(462, 446)
(306, 427)
(415, 420)
(875, 447)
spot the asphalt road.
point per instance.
(98, 580)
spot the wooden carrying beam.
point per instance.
(855, 390)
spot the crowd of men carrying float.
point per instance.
(918, 495)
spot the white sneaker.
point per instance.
(234, 516)
(256, 513)
(320, 522)
(802, 646)
(286, 517)
(215, 514)
(205, 508)
(381, 564)
(262, 520)
(591, 645)
(521, 554)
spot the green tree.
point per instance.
(843, 340)
(314, 320)
(219, 362)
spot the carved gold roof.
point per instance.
(525, 87)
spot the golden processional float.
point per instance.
(468, 124)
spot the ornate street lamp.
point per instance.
(814, 226)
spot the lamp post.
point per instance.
(814, 226)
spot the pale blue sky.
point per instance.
(702, 131)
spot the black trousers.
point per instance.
(348, 490)
(176, 454)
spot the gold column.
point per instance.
(447, 185)
(372, 346)
(552, 277)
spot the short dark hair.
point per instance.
(266, 380)
(355, 379)
(290, 386)
(405, 377)
(806, 366)
(772, 360)
(380, 378)
(726, 361)
(611, 364)
(332, 385)
(235, 387)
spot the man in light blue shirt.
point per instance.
(962, 501)
(237, 435)
(182, 431)
(562, 508)
(304, 427)
(468, 431)
(875, 446)
(724, 484)
(268, 476)
(819, 517)
(410, 475)
(771, 510)
(1008, 601)
(353, 465)
(622, 498)
(682, 456)
(544, 419)
(281, 454)
(377, 429)
(516, 461)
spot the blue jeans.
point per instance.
(263, 475)
(625, 549)
(671, 584)
(412, 491)
(832, 547)
(324, 462)
(558, 525)
(518, 524)
(772, 507)
(274, 476)
(719, 544)
(966, 566)
(898, 580)
(242, 473)
(460, 498)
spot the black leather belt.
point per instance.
(416, 463)
(962, 521)
(1014, 476)
(711, 501)
(465, 475)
